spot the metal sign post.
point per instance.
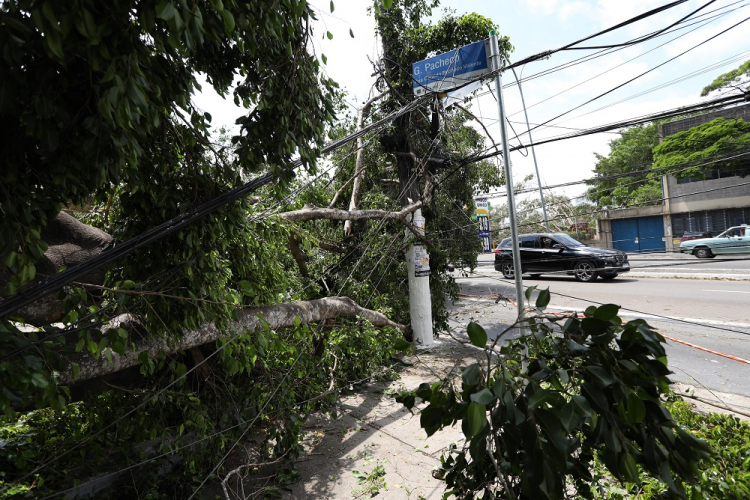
(496, 64)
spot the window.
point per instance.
(529, 242)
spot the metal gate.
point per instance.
(640, 234)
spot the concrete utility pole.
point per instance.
(418, 269)
(496, 65)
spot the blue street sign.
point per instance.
(451, 69)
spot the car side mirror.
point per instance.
(558, 246)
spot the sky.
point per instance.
(538, 25)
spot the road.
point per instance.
(707, 312)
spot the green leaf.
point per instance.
(351, 33)
(629, 469)
(529, 291)
(635, 408)
(484, 397)
(332, 7)
(477, 334)
(324, 58)
(568, 416)
(329, 35)
(542, 299)
(583, 407)
(127, 285)
(387, 4)
(10, 259)
(477, 418)
(165, 10)
(540, 397)
(606, 312)
(472, 375)
(402, 345)
(75, 370)
(603, 375)
(39, 380)
(228, 20)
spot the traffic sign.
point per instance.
(452, 69)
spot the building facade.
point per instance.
(711, 204)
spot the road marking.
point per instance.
(673, 318)
(726, 291)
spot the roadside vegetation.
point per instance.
(579, 407)
(143, 376)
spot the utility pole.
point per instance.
(418, 269)
(496, 65)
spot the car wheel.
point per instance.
(608, 277)
(703, 253)
(585, 271)
(507, 269)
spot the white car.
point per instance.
(734, 240)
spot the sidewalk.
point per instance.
(376, 439)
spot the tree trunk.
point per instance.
(278, 316)
(70, 242)
(358, 170)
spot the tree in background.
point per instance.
(720, 147)
(624, 182)
(562, 212)
(734, 79)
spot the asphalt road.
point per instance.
(709, 312)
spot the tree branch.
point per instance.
(358, 170)
(276, 316)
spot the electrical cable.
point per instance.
(599, 96)
(693, 108)
(691, 75)
(12, 304)
(605, 52)
(680, 320)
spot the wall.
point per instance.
(670, 128)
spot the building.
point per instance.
(712, 204)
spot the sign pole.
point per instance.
(496, 64)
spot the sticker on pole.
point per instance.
(452, 69)
(421, 261)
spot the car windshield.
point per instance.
(732, 231)
(568, 241)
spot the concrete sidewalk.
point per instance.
(375, 446)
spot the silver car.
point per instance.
(734, 240)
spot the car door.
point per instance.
(740, 242)
(530, 253)
(553, 259)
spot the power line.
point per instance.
(606, 52)
(642, 74)
(715, 327)
(57, 281)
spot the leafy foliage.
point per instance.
(269, 380)
(573, 390)
(723, 476)
(719, 138)
(630, 153)
(729, 79)
(563, 214)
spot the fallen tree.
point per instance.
(272, 317)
